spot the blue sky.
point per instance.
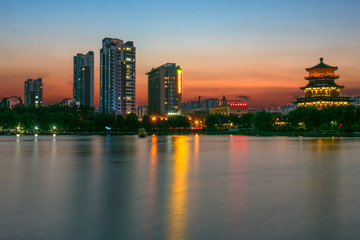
(235, 46)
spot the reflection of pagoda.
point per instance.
(322, 91)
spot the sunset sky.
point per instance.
(257, 48)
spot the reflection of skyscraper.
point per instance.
(117, 77)
(83, 89)
(33, 93)
(165, 90)
(178, 196)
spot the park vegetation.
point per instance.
(74, 119)
(341, 119)
(83, 119)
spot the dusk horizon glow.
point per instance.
(259, 49)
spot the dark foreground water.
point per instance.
(180, 187)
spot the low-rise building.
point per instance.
(197, 117)
(141, 111)
(11, 102)
(234, 108)
(70, 102)
(204, 104)
(356, 101)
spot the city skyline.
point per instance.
(259, 50)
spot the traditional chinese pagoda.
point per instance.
(322, 91)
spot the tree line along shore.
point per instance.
(306, 121)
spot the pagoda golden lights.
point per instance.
(322, 91)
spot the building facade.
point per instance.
(233, 108)
(355, 101)
(33, 93)
(141, 111)
(117, 77)
(165, 90)
(197, 117)
(83, 85)
(204, 104)
(10, 102)
(211, 103)
(70, 102)
(322, 91)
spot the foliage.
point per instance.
(212, 122)
(346, 118)
(9, 119)
(179, 122)
(147, 123)
(84, 119)
(264, 121)
(246, 120)
(132, 122)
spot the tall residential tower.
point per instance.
(117, 77)
(33, 93)
(83, 89)
(165, 90)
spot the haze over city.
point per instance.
(258, 50)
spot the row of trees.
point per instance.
(81, 119)
(345, 118)
(84, 119)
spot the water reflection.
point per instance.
(178, 194)
(152, 188)
(179, 187)
(324, 183)
(238, 182)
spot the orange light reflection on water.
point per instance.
(152, 187)
(178, 195)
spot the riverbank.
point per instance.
(247, 132)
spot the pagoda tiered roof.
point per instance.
(324, 77)
(321, 65)
(313, 84)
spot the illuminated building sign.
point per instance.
(238, 104)
(179, 78)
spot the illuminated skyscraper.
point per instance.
(83, 89)
(117, 77)
(33, 93)
(165, 90)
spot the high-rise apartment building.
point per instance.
(117, 77)
(165, 90)
(33, 94)
(83, 88)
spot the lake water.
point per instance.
(179, 187)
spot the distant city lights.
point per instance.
(238, 104)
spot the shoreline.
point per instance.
(253, 133)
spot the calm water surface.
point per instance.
(179, 187)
